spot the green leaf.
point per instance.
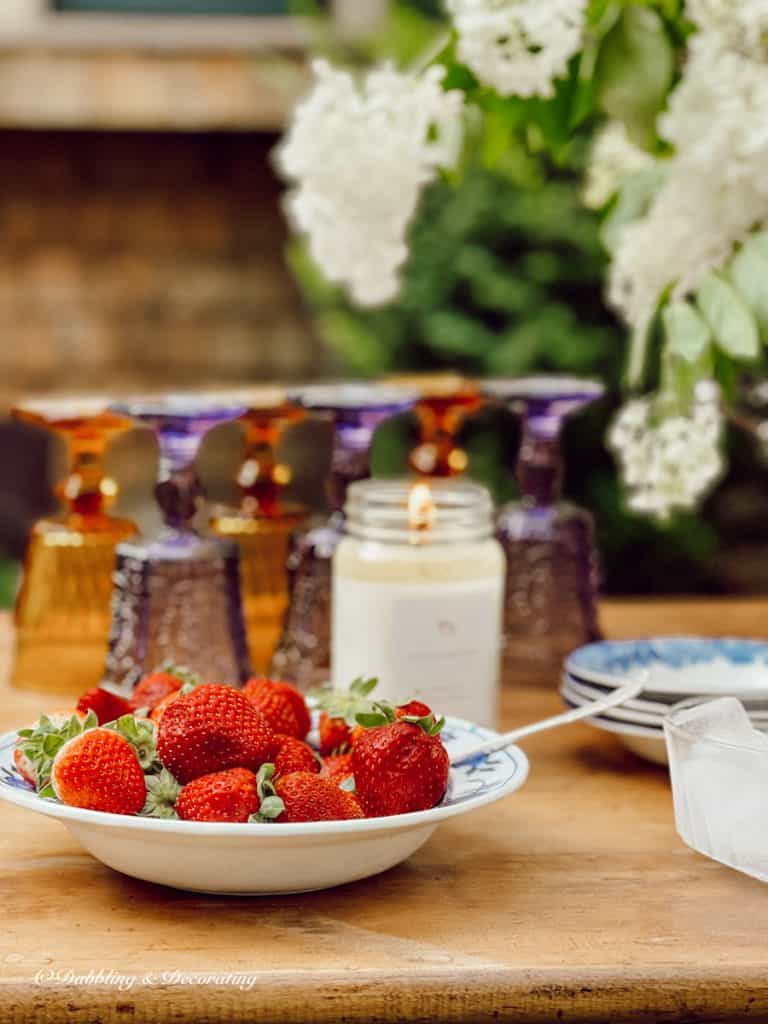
(271, 807)
(162, 793)
(348, 704)
(264, 785)
(729, 318)
(370, 721)
(638, 352)
(749, 272)
(362, 687)
(688, 335)
(680, 377)
(632, 203)
(760, 243)
(634, 71)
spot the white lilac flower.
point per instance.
(716, 187)
(358, 154)
(518, 47)
(613, 158)
(740, 25)
(668, 463)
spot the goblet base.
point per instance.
(177, 599)
(63, 609)
(552, 587)
(264, 547)
(303, 656)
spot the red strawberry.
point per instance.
(337, 768)
(281, 704)
(292, 755)
(154, 688)
(413, 709)
(26, 765)
(99, 770)
(107, 707)
(211, 729)
(308, 797)
(335, 735)
(158, 711)
(399, 768)
(221, 796)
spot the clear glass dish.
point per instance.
(719, 770)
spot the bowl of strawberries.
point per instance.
(209, 788)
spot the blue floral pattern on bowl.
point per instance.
(683, 665)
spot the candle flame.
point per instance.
(421, 507)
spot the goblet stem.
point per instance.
(86, 488)
(540, 465)
(179, 491)
(262, 478)
(351, 453)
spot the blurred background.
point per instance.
(142, 245)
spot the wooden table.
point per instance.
(573, 900)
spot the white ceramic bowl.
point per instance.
(274, 858)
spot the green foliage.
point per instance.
(634, 70)
(9, 579)
(506, 271)
(501, 277)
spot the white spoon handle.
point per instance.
(588, 711)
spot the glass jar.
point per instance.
(418, 588)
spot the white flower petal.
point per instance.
(518, 47)
(358, 155)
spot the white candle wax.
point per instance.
(425, 618)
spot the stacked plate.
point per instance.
(671, 670)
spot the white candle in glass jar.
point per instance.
(418, 588)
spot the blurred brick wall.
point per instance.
(143, 259)
(132, 260)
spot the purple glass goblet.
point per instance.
(303, 655)
(177, 595)
(553, 573)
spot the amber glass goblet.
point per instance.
(63, 608)
(262, 524)
(445, 401)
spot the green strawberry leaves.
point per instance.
(186, 675)
(362, 687)
(162, 793)
(386, 714)
(271, 805)
(430, 725)
(355, 708)
(141, 734)
(348, 704)
(381, 713)
(44, 740)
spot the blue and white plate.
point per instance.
(675, 667)
(635, 712)
(275, 858)
(647, 741)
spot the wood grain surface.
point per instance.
(572, 900)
